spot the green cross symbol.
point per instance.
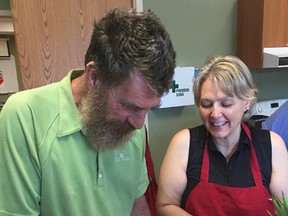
(174, 86)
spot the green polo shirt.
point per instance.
(48, 168)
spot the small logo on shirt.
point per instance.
(122, 157)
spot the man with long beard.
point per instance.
(77, 147)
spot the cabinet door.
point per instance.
(275, 29)
(52, 36)
(261, 23)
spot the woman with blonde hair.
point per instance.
(224, 166)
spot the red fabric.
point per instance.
(212, 199)
(152, 188)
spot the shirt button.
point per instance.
(100, 175)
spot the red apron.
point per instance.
(152, 188)
(211, 199)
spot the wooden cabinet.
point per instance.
(261, 23)
(52, 36)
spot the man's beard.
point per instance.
(103, 134)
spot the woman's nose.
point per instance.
(216, 112)
(137, 119)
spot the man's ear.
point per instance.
(91, 74)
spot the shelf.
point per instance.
(5, 13)
(6, 26)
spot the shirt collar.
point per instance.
(69, 115)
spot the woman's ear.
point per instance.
(247, 105)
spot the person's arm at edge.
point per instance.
(19, 190)
(173, 180)
(279, 178)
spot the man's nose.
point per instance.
(137, 119)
